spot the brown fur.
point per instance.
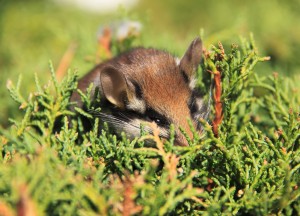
(163, 83)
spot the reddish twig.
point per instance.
(25, 205)
(104, 43)
(129, 205)
(218, 104)
(65, 61)
(216, 71)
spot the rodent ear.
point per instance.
(192, 58)
(114, 86)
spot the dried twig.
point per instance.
(129, 205)
(25, 206)
(65, 61)
(217, 72)
(104, 43)
(218, 104)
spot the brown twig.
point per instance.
(65, 61)
(25, 205)
(129, 205)
(218, 104)
(104, 43)
(216, 71)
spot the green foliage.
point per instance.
(55, 167)
(32, 32)
(272, 22)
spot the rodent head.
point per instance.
(149, 85)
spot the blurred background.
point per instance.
(33, 32)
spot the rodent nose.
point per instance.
(181, 143)
(181, 140)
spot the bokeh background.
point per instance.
(32, 32)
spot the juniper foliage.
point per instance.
(51, 168)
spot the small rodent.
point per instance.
(148, 85)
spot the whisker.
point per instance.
(119, 123)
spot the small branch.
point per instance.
(25, 205)
(65, 61)
(104, 43)
(216, 71)
(218, 104)
(129, 205)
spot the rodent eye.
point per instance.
(156, 117)
(156, 120)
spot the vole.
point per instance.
(147, 85)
